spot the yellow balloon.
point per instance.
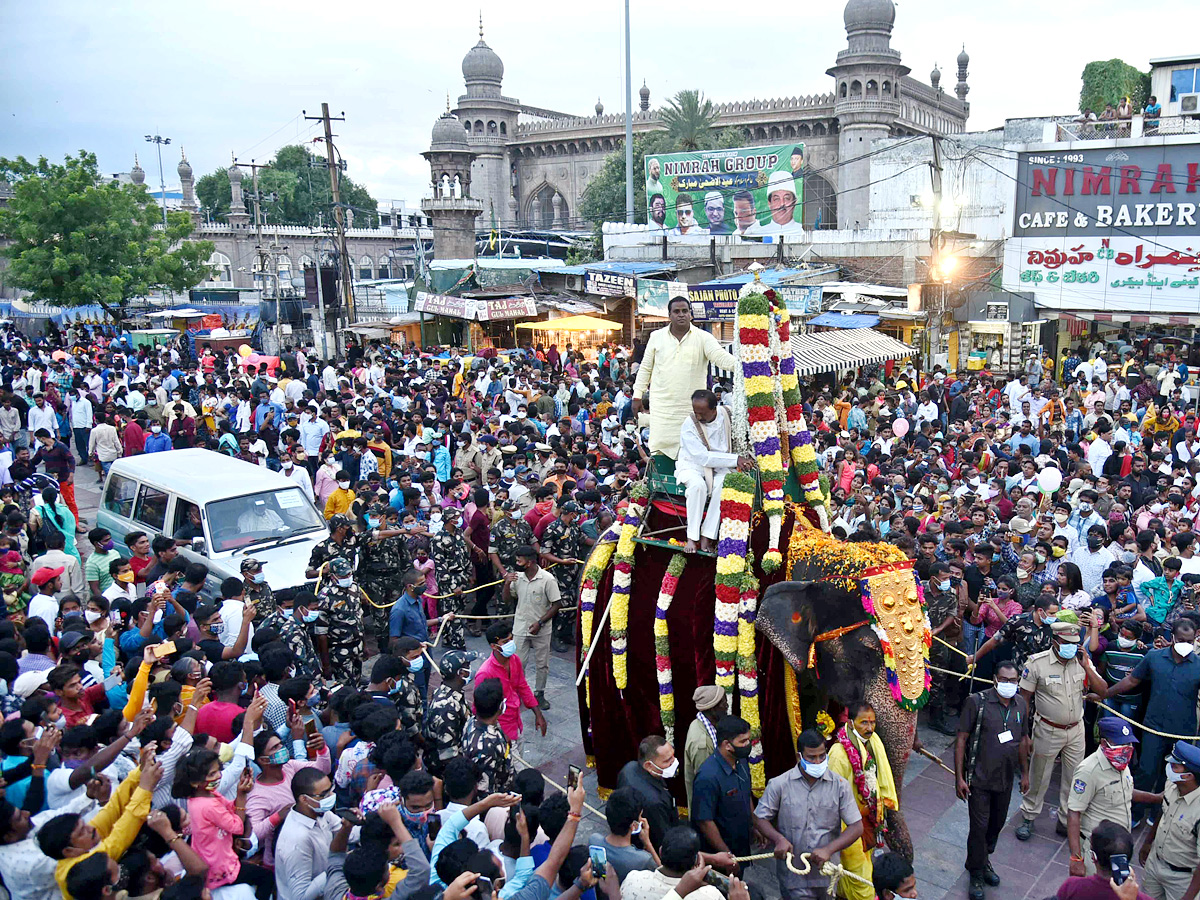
(245, 350)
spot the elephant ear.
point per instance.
(787, 616)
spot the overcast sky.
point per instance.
(220, 77)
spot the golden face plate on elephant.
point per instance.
(892, 598)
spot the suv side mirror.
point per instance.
(198, 546)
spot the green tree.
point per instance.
(75, 238)
(689, 119)
(604, 197)
(294, 193)
(1111, 81)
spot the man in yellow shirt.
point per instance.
(339, 501)
(70, 838)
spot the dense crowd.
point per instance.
(165, 736)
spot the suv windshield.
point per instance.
(257, 518)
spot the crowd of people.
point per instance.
(167, 737)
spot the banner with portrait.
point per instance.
(751, 192)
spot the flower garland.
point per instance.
(754, 337)
(914, 700)
(747, 663)
(622, 580)
(790, 384)
(597, 562)
(806, 469)
(825, 724)
(866, 783)
(733, 543)
(662, 646)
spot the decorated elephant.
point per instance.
(853, 615)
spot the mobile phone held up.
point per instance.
(483, 888)
(599, 858)
(1120, 867)
(573, 773)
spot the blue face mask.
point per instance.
(372, 521)
(310, 616)
(258, 577)
(280, 756)
(509, 649)
(416, 665)
(1049, 620)
(1068, 651)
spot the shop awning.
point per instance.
(844, 320)
(832, 351)
(572, 323)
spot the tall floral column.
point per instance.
(733, 541)
(747, 662)
(622, 579)
(662, 645)
(593, 571)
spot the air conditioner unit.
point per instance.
(1189, 104)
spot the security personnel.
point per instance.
(340, 608)
(1102, 788)
(1053, 683)
(1172, 871)
(448, 711)
(257, 589)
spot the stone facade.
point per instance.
(531, 165)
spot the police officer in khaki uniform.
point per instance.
(1172, 870)
(1102, 788)
(1053, 683)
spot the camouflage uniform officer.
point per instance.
(342, 543)
(257, 589)
(293, 619)
(508, 533)
(484, 743)
(380, 564)
(407, 693)
(453, 569)
(448, 712)
(562, 547)
(340, 607)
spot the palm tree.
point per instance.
(689, 118)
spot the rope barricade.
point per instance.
(830, 869)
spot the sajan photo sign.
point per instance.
(745, 192)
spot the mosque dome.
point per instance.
(482, 64)
(935, 76)
(963, 59)
(599, 107)
(861, 14)
(235, 174)
(137, 174)
(448, 133)
(185, 168)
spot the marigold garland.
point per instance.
(733, 541)
(622, 580)
(825, 724)
(593, 571)
(747, 662)
(792, 401)
(662, 646)
(760, 377)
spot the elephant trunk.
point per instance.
(896, 727)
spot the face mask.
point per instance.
(325, 804)
(156, 428)
(1126, 643)
(287, 466)
(1067, 651)
(1085, 508)
(944, 584)
(669, 771)
(344, 485)
(1007, 689)
(419, 817)
(126, 577)
(92, 616)
(217, 628)
(1061, 518)
(995, 557)
(310, 616)
(509, 649)
(416, 665)
(314, 702)
(742, 752)
(1118, 757)
(280, 756)
(1041, 558)
(258, 577)
(1184, 649)
(372, 521)
(212, 785)
(1094, 542)
(1174, 776)
(814, 770)
(1060, 552)
(345, 582)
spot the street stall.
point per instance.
(583, 333)
(152, 337)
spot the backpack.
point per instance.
(46, 527)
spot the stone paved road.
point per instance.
(937, 820)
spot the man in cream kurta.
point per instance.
(704, 461)
(674, 366)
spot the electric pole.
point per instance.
(266, 259)
(339, 215)
(629, 211)
(935, 308)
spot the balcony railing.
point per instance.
(1138, 126)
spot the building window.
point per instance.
(491, 127)
(385, 267)
(284, 266)
(306, 261)
(1183, 81)
(366, 268)
(222, 269)
(503, 128)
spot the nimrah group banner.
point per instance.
(747, 191)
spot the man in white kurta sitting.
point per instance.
(674, 365)
(705, 457)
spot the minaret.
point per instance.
(644, 94)
(188, 185)
(237, 209)
(935, 78)
(137, 175)
(450, 158)
(866, 101)
(962, 87)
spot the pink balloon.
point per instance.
(900, 427)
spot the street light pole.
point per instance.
(162, 184)
(628, 125)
